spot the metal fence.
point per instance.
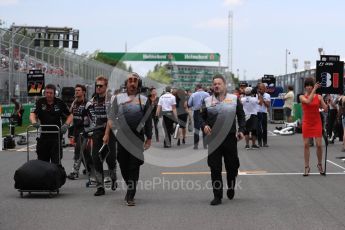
(18, 55)
(63, 68)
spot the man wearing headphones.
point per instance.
(130, 119)
(49, 110)
(96, 110)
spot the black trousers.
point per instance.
(228, 151)
(262, 128)
(168, 125)
(48, 148)
(331, 121)
(97, 139)
(130, 168)
(155, 124)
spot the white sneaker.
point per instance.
(107, 180)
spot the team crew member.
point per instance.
(264, 104)
(219, 124)
(96, 110)
(78, 112)
(130, 118)
(250, 107)
(167, 104)
(18, 111)
(49, 110)
(195, 102)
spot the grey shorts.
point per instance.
(287, 112)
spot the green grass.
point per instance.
(18, 130)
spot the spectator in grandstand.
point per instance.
(288, 103)
(311, 123)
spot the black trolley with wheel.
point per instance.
(52, 192)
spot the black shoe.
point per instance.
(130, 202)
(183, 141)
(73, 176)
(260, 144)
(195, 147)
(266, 145)
(216, 201)
(100, 191)
(113, 185)
(230, 193)
(178, 142)
(247, 147)
(255, 147)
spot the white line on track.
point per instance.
(251, 173)
(336, 164)
(25, 148)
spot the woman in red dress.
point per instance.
(311, 122)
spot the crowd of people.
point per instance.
(120, 127)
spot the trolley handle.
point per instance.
(44, 132)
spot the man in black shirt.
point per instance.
(49, 110)
(219, 115)
(96, 110)
(78, 112)
(18, 111)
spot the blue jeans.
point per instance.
(197, 127)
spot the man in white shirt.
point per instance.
(250, 107)
(167, 104)
(288, 103)
(264, 104)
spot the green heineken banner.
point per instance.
(192, 57)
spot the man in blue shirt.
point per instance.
(195, 102)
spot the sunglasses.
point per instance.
(99, 86)
(132, 79)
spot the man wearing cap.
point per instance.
(167, 104)
(250, 107)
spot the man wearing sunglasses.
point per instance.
(96, 110)
(130, 118)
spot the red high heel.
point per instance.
(306, 171)
(319, 167)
